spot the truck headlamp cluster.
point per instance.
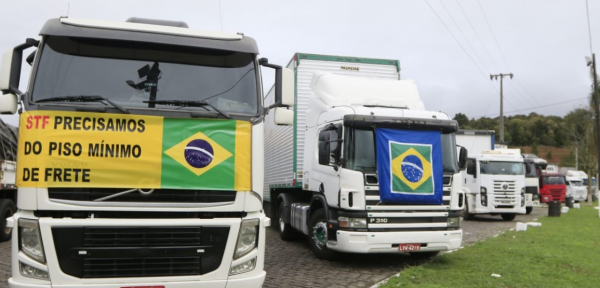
(30, 240)
(454, 222)
(522, 196)
(32, 272)
(484, 199)
(244, 267)
(352, 222)
(247, 238)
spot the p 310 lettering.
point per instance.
(378, 220)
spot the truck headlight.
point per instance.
(247, 238)
(453, 222)
(483, 196)
(243, 267)
(32, 272)
(522, 198)
(352, 222)
(30, 239)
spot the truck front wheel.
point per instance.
(528, 210)
(7, 209)
(286, 231)
(317, 236)
(508, 216)
(465, 211)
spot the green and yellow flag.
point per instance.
(73, 149)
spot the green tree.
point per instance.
(549, 155)
(462, 119)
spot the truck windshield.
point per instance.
(361, 155)
(146, 75)
(576, 183)
(554, 180)
(501, 168)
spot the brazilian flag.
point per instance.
(206, 154)
(409, 166)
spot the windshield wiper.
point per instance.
(83, 98)
(189, 103)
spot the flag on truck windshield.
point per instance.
(409, 166)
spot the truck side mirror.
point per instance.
(283, 116)
(284, 84)
(471, 168)
(462, 158)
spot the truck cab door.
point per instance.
(326, 168)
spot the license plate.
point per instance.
(409, 247)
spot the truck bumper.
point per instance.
(253, 281)
(387, 242)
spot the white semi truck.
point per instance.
(332, 176)
(141, 156)
(494, 181)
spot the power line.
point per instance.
(455, 39)
(463, 34)
(542, 106)
(494, 35)
(477, 34)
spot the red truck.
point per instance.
(552, 187)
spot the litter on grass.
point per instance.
(576, 206)
(523, 226)
(564, 210)
(496, 275)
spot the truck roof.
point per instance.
(335, 90)
(152, 33)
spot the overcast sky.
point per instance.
(448, 47)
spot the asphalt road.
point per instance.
(292, 264)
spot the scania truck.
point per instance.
(362, 166)
(140, 156)
(494, 181)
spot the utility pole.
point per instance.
(501, 76)
(596, 108)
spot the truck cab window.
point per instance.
(329, 146)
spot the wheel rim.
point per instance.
(281, 224)
(320, 235)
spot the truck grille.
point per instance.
(157, 196)
(103, 252)
(424, 219)
(556, 193)
(504, 186)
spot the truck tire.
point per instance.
(508, 216)
(465, 211)
(7, 209)
(528, 210)
(317, 236)
(286, 231)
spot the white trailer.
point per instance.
(322, 175)
(494, 179)
(141, 151)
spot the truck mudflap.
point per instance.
(390, 242)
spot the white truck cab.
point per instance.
(495, 184)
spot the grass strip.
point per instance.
(563, 252)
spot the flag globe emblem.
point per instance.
(198, 153)
(412, 168)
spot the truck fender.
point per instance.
(287, 204)
(317, 201)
